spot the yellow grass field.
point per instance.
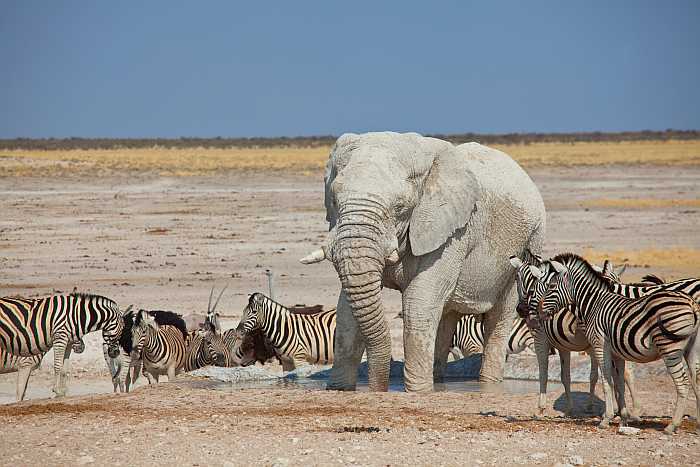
(641, 203)
(301, 160)
(679, 259)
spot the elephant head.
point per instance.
(389, 197)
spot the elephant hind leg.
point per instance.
(443, 343)
(497, 325)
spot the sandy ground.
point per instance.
(159, 242)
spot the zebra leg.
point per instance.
(22, 379)
(593, 380)
(288, 364)
(60, 347)
(693, 360)
(565, 361)
(443, 343)
(542, 349)
(619, 386)
(677, 368)
(456, 353)
(628, 377)
(602, 355)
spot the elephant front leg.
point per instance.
(348, 348)
(497, 325)
(443, 343)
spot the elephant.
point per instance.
(436, 222)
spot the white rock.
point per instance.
(538, 455)
(280, 462)
(575, 460)
(628, 430)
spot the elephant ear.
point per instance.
(450, 191)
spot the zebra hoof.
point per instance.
(605, 423)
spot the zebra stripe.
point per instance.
(689, 286)
(33, 326)
(295, 336)
(469, 336)
(661, 325)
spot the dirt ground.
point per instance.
(163, 242)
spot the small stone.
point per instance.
(280, 462)
(295, 440)
(628, 430)
(559, 464)
(537, 455)
(575, 460)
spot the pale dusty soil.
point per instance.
(163, 242)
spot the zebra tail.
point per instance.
(687, 331)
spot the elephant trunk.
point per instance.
(359, 256)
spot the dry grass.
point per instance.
(686, 260)
(300, 160)
(641, 203)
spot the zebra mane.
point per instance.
(166, 318)
(573, 258)
(260, 294)
(89, 296)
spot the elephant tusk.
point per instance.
(314, 257)
(393, 257)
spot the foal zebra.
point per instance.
(294, 336)
(24, 366)
(560, 332)
(663, 324)
(469, 336)
(30, 327)
(160, 338)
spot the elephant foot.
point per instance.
(604, 423)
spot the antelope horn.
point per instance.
(211, 294)
(219, 298)
(314, 257)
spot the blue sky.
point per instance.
(170, 69)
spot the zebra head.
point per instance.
(144, 324)
(555, 291)
(528, 285)
(249, 320)
(214, 346)
(113, 328)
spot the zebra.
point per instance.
(208, 347)
(24, 366)
(469, 336)
(30, 327)
(560, 332)
(662, 324)
(160, 339)
(124, 369)
(295, 337)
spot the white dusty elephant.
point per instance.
(436, 222)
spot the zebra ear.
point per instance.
(515, 262)
(622, 270)
(597, 268)
(608, 268)
(559, 267)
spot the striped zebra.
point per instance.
(30, 327)
(561, 332)
(124, 369)
(160, 338)
(469, 336)
(24, 366)
(295, 337)
(660, 325)
(207, 347)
